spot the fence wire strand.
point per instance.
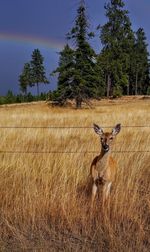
(69, 127)
(67, 152)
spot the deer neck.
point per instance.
(104, 153)
(104, 157)
(102, 162)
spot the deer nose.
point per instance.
(106, 147)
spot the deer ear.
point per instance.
(116, 129)
(98, 129)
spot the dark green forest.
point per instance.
(120, 68)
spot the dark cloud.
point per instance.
(49, 19)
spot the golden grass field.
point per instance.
(43, 202)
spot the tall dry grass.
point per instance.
(44, 201)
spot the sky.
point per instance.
(29, 24)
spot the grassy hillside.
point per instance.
(43, 201)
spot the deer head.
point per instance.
(107, 138)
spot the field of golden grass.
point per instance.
(43, 202)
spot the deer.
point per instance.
(103, 167)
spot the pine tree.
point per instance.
(37, 69)
(141, 63)
(25, 78)
(85, 78)
(81, 79)
(118, 39)
(65, 72)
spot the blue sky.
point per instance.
(29, 24)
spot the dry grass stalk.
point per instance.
(44, 200)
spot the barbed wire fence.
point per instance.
(69, 127)
(68, 152)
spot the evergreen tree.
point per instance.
(117, 38)
(25, 78)
(65, 72)
(79, 75)
(86, 78)
(141, 63)
(10, 97)
(37, 69)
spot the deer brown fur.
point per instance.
(103, 168)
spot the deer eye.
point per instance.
(101, 138)
(111, 138)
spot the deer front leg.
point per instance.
(94, 174)
(106, 192)
(94, 191)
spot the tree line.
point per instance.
(11, 98)
(120, 68)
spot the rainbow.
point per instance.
(32, 40)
